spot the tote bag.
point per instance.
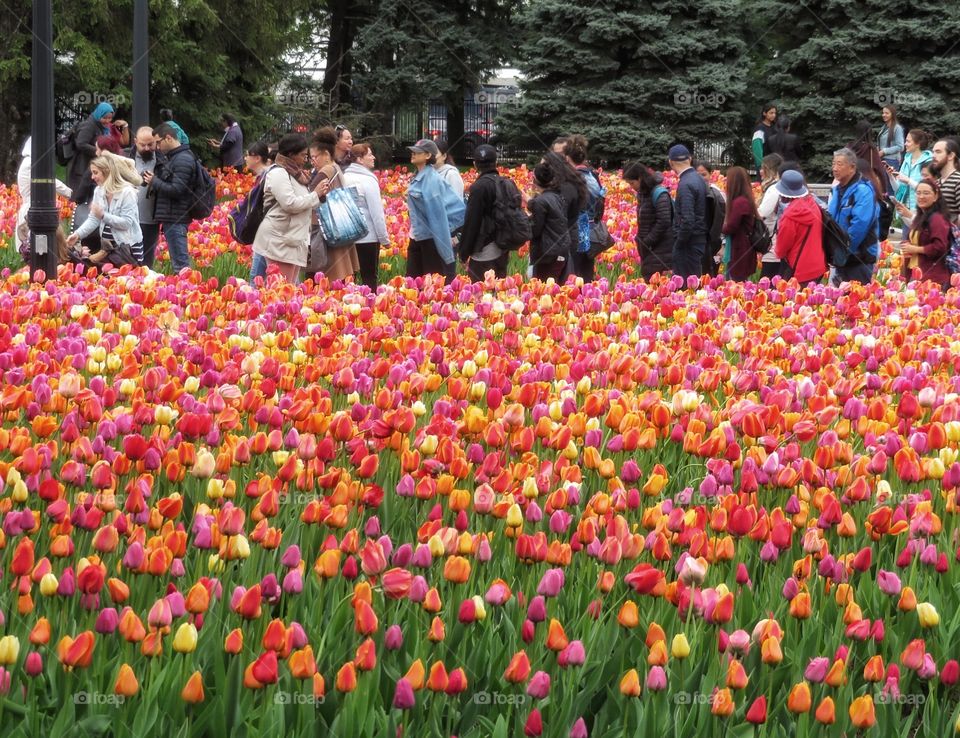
(340, 218)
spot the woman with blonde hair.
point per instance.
(115, 210)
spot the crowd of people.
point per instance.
(128, 191)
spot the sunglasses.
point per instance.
(339, 129)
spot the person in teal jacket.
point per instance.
(435, 213)
(918, 154)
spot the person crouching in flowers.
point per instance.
(929, 240)
(115, 210)
(283, 236)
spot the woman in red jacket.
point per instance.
(741, 213)
(926, 247)
(799, 231)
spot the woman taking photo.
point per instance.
(435, 213)
(283, 236)
(740, 258)
(926, 247)
(890, 138)
(909, 176)
(799, 232)
(654, 219)
(115, 210)
(446, 168)
(257, 161)
(360, 178)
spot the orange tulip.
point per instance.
(826, 712)
(556, 637)
(519, 668)
(629, 616)
(192, 691)
(347, 678)
(439, 679)
(415, 675)
(456, 569)
(862, 712)
(736, 675)
(126, 684)
(630, 684)
(799, 700)
(722, 703)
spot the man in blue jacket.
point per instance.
(853, 204)
(690, 215)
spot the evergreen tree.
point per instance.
(632, 77)
(206, 57)
(831, 63)
(411, 54)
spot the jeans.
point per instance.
(688, 260)
(151, 232)
(259, 267)
(176, 235)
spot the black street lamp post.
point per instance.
(43, 218)
(141, 66)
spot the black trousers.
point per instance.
(368, 254)
(476, 269)
(423, 258)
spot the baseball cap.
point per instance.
(425, 146)
(485, 154)
(678, 153)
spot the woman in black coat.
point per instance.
(654, 220)
(573, 190)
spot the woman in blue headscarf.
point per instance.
(100, 123)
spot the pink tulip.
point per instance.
(539, 686)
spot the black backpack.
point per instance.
(760, 237)
(836, 241)
(204, 192)
(511, 226)
(247, 215)
(716, 213)
(65, 147)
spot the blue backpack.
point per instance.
(247, 215)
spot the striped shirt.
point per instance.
(950, 191)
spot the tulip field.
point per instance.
(501, 509)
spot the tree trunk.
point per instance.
(343, 31)
(14, 90)
(455, 139)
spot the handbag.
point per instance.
(600, 238)
(341, 221)
(317, 256)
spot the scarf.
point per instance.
(293, 169)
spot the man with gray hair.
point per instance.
(853, 204)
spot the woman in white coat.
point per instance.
(23, 185)
(283, 237)
(360, 178)
(114, 208)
